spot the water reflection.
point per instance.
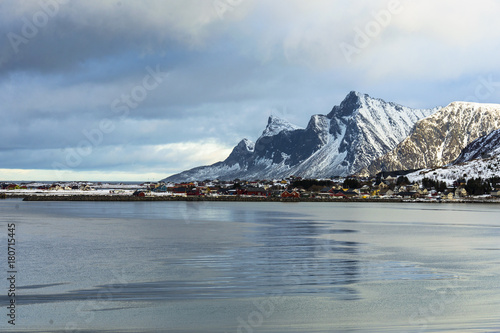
(289, 254)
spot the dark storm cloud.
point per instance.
(57, 35)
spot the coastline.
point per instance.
(125, 198)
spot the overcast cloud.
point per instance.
(139, 90)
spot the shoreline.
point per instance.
(125, 198)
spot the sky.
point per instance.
(139, 90)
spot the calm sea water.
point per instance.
(252, 267)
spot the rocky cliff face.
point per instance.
(439, 139)
(343, 142)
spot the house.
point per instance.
(382, 186)
(460, 192)
(402, 188)
(390, 180)
(161, 188)
(290, 194)
(448, 196)
(326, 190)
(212, 190)
(351, 193)
(180, 190)
(365, 189)
(323, 194)
(408, 195)
(415, 187)
(139, 194)
(423, 192)
(386, 192)
(226, 191)
(256, 191)
(195, 191)
(338, 194)
(345, 194)
(85, 187)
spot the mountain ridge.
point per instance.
(342, 142)
(438, 140)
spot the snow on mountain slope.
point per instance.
(438, 140)
(481, 158)
(482, 148)
(361, 129)
(375, 129)
(343, 142)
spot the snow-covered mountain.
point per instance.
(483, 148)
(481, 158)
(343, 142)
(438, 139)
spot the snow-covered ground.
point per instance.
(34, 188)
(66, 192)
(480, 168)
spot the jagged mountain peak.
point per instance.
(242, 150)
(356, 102)
(246, 144)
(352, 102)
(318, 122)
(275, 125)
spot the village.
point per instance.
(354, 188)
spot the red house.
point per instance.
(255, 191)
(195, 191)
(290, 194)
